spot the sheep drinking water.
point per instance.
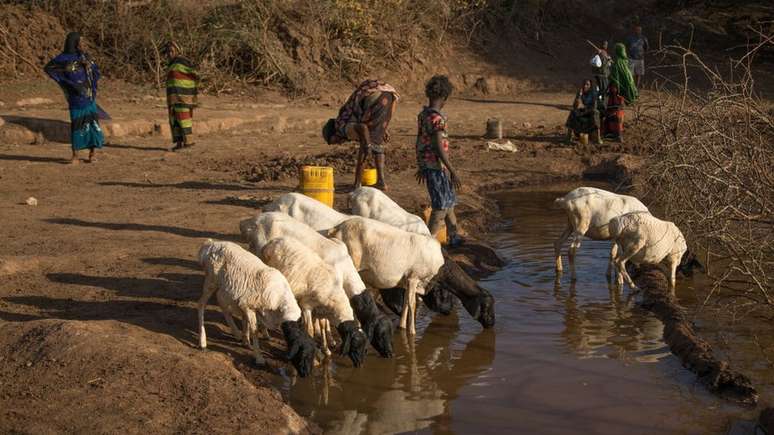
(244, 284)
(318, 289)
(260, 230)
(388, 257)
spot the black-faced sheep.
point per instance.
(246, 285)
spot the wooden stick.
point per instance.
(592, 44)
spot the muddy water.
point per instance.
(563, 358)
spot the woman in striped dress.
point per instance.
(77, 75)
(182, 92)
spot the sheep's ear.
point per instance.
(346, 344)
(294, 348)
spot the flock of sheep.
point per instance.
(308, 267)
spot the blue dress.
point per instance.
(77, 75)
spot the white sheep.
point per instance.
(644, 239)
(388, 257)
(375, 204)
(259, 230)
(245, 285)
(589, 211)
(307, 210)
(317, 289)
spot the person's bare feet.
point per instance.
(381, 186)
(74, 161)
(92, 158)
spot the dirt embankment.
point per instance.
(694, 352)
(107, 377)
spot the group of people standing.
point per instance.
(77, 74)
(598, 107)
(364, 118)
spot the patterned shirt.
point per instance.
(353, 109)
(429, 122)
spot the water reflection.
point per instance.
(408, 393)
(615, 328)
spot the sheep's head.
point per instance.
(688, 263)
(301, 347)
(353, 342)
(381, 336)
(393, 298)
(438, 299)
(377, 326)
(476, 300)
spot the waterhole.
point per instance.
(563, 357)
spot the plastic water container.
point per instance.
(317, 182)
(369, 176)
(441, 236)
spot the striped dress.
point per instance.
(181, 98)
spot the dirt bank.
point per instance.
(695, 353)
(63, 376)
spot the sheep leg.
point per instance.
(226, 309)
(251, 335)
(319, 329)
(558, 247)
(412, 302)
(329, 333)
(581, 225)
(611, 263)
(404, 311)
(208, 288)
(672, 264)
(308, 324)
(621, 263)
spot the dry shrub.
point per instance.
(293, 44)
(712, 168)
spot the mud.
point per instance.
(694, 352)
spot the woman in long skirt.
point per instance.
(77, 75)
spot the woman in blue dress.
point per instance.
(77, 75)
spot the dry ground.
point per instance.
(98, 281)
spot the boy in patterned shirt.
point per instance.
(433, 164)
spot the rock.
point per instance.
(507, 146)
(526, 124)
(31, 201)
(482, 85)
(614, 167)
(16, 134)
(26, 102)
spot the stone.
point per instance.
(26, 102)
(31, 201)
(527, 124)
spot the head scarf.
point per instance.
(621, 75)
(174, 45)
(72, 43)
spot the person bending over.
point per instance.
(365, 118)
